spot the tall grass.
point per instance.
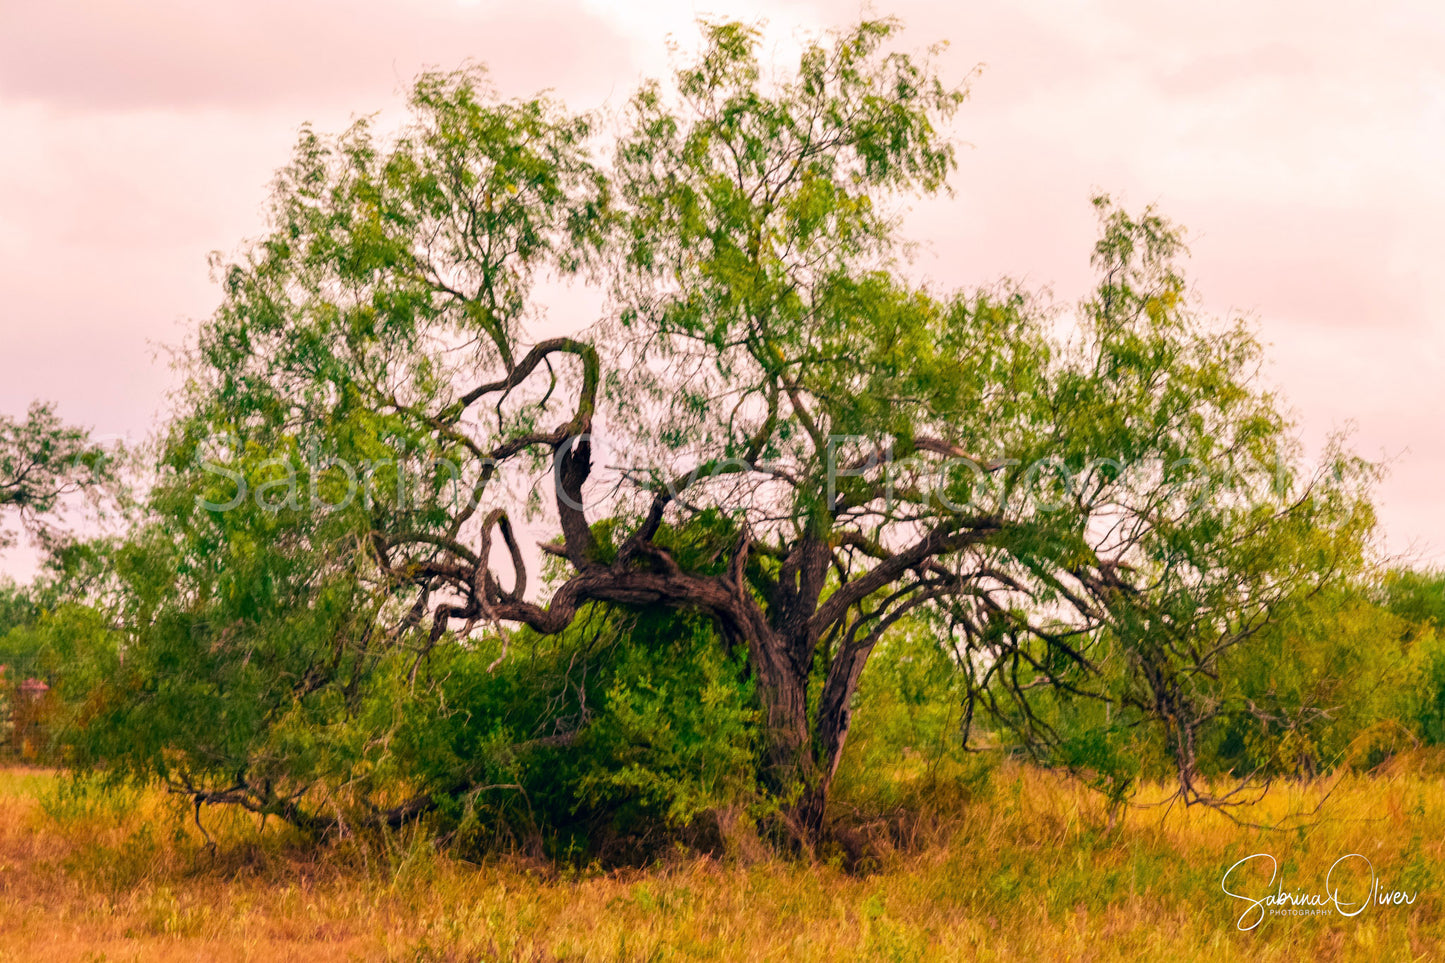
(1015, 864)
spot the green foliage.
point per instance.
(910, 697)
(1054, 538)
(907, 749)
(679, 732)
(43, 460)
(605, 740)
(1430, 711)
(1419, 596)
(19, 607)
(1336, 680)
(1416, 595)
(759, 231)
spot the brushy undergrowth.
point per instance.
(1006, 864)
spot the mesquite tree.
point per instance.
(770, 425)
(42, 461)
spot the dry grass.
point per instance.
(1028, 871)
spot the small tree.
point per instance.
(801, 445)
(43, 460)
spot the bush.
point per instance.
(615, 738)
(611, 740)
(905, 757)
(1338, 680)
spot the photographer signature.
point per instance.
(1282, 902)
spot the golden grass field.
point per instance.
(1027, 869)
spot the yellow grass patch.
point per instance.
(1027, 870)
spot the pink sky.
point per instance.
(1302, 146)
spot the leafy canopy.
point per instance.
(43, 460)
(771, 428)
